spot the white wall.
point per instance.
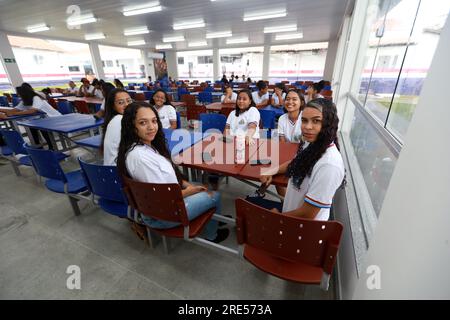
(411, 244)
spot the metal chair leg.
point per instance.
(166, 244)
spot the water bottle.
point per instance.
(240, 149)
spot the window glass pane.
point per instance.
(297, 62)
(123, 63)
(242, 61)
(427, 28)
(394, 35)
(195, 65)
(5, 85)
(47, 63)
(376, 161)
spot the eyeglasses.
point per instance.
(122, 102)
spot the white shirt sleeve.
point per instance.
(112, 141)
(253, 116)
(323, 185)
(281, 122)
(172, 113)
(230, 117)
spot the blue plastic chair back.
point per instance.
(213, 121)
(103, 181)
(46, 164)
(148, 94)
(15, 101)
(178, 120)
(181, 91)
(14, 141)
(64, 107)
(4, 101)
(208, 89)
(98, 107)
(268, 119)
(205, 97)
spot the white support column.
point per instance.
(10, 64)
(172, 64)
(409, 253)
(266, 61)
(148, 62)
(330, 60)
(216, 64)
(97, 60)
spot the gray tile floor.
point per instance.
(40, 238)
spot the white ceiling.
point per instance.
(319, 20)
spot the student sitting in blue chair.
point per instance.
(278, 96)
(143, 156)
(261, 97)
(167, 113)
(229, 96)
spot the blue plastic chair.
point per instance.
(205, 97)
(104, 182)
(181, 91)
(5, 151)
(15, 143)
(268, 120)
(64, 107)
(148, 94)
(178, 120)
(70, 183)
(213, 121)
(208, 89)
(4, 101)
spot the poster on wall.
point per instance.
(161, 67)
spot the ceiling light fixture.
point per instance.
(38, 28)
(135, 31)
(189, 24)
(136, 43)
(163, 46)
(94, 36)
(222, 34)
(289, 36)
(197, 44)
(141, 9)
(173, 39)
(287, 28)
(237, 40)
(278, 13)
(88, 18)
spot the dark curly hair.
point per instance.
(166, 96)
(303, 163)
(129, 139)
(252, 102)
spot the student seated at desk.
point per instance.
(107, 87)
(116, 103)
(313, 91)
(229, 96)
(86, 89)
(289, 124)
(244, 119)
(31, 103)
(72, 90)
(317, 170)
(166, 112)
(143, 156)
(97, 93)
(278, 96)
(261, 97)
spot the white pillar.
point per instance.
(9, 61)
(96, 60)
(411, 243)
(172, 64)
(266, 61)
(330, 60)
(149, 66)
(216, 64)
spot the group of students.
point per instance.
(315, 173)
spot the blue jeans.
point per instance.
(195, 205)
(264, 203)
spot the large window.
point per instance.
(397, 48)
(242, 61)
(123, 63)
(51, 63)
(195, 65)
(5, 85)
(297, 62)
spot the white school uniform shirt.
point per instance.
(41, 105)
(98, 93)
(112, 140)
(317, 96)
(89, 90)
(233, 97)
(259, 99)
(73, 90)
(166, 114)
(239, 125)
(145, 164)
(102, 107)
(318, 189)
(275, 98)
(292, 132)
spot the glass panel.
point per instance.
(123, 63)
(5, 84)
(242, 61)
(47, 63)
(394, 36)
(376, 161)
(297, 62)
(427, 28)
(195, 65)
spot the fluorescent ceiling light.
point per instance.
(141, 9)
(289, 36)
(136, 43)
(197, 44)
(189, 24)
(173, 39)
(38, 28)
(135, 31)
(278, 13)
(163, 46)
(222, 34)
(94, 36)
(88, 18)
(237, 40)
(287, 28)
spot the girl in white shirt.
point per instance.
(143, 156)
(278, 96)
(244, 119)
(289, 124)
(313, 91)
(167, 113)
(317, 170)
(116, 103)
(229, 96)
